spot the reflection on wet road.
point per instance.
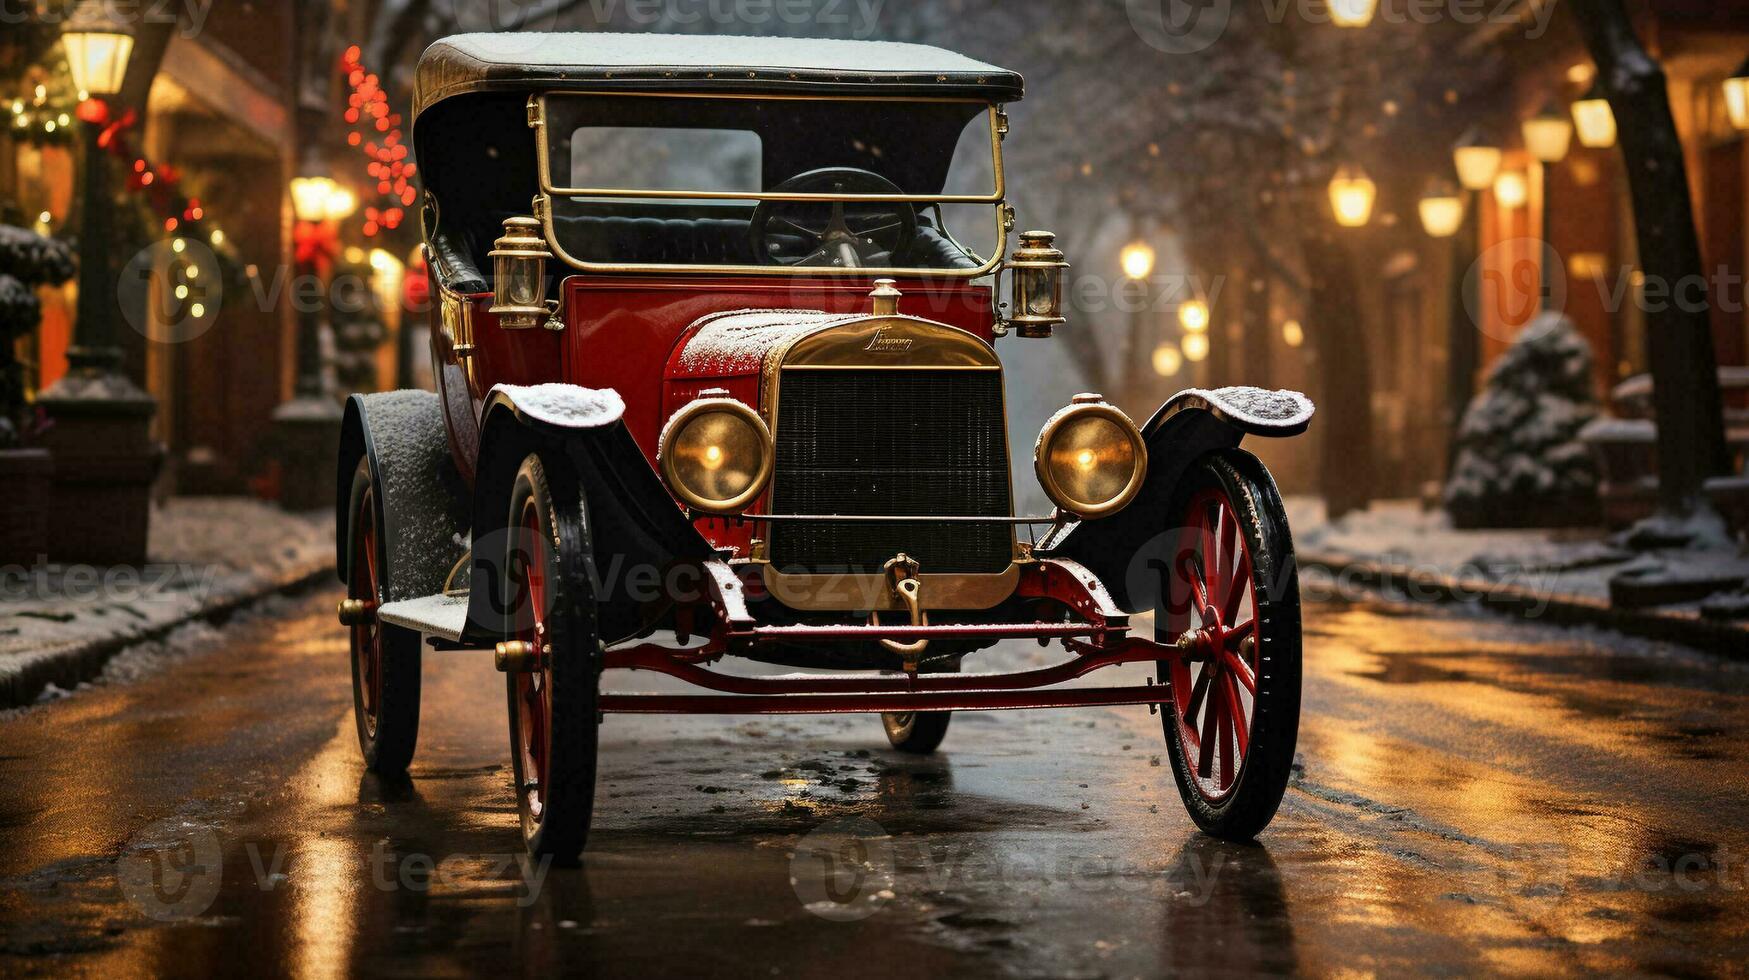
(1473, 795)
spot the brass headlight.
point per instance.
(1090, 458)
(716, 454)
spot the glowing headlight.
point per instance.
(716, 454)
(1090, 458)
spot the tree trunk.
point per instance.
(1345, 401)
(1691, 436)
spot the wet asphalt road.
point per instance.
(1475, 795)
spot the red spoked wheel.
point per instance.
(551, 686)
(1232, 605)
(385, 659)
(531, 690)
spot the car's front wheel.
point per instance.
(385, 658)
(552, 686)
(1233, 592)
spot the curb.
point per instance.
(1726, 639)
(68, 666)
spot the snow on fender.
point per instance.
(563, 405)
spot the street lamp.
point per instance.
(1167, 360)
(1196, 346)
(1442, 209)
(1292, 334)
(1594, 120)
(1476, 160)
(1511, 189)
(1548, 135)
(1137, 260)
(1737, 96)
(1352, 194)
(1352, 13)
(1193, 316)
(105, 457)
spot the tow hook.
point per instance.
(357, 612)
(902, 577)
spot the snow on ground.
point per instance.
(204, 552)
(1564, 562)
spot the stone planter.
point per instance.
(27, 475)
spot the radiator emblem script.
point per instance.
(879, 344)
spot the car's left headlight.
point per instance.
(1090, 458)
(716, 454)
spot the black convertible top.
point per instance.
(467, 63)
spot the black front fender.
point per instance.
(1189, 426)
(634, 527)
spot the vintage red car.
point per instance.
(715, 329)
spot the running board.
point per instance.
(435, 615)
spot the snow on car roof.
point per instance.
(692, 62)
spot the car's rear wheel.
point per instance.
(385, 659)
(553, 702)
(1233, 720)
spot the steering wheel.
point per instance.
(845, 234)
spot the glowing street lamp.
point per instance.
(1352, 13)
(310, 197)
(1193, 316)
(1511, 189)
(1594, 120)
(1137, 260)
(1167, 360)
(1548, 135)
(1292, 334)
(1352, 194)
(1477, 162)
(340, 203)
(1442, 209)
(97, 60)
(1196, 346)
(1737, 96)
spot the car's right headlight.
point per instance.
(1090, 458)
(716, 454)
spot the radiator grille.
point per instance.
(901, 442)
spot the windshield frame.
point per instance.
(998, 127)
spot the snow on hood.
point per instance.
(570, 406)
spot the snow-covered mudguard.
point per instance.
(421, 499)
(1189, 426)
(630, 519)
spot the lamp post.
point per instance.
(1137, 262)
(1352, 194)
(309, 424)
(1476, 159)
(105, 457)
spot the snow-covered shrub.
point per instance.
(1520, 462)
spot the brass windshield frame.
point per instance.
(998, 123)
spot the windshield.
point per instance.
(739, 182)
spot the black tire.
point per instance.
(385, 659)
(553, 719)
(918, 732)
(1240, 809)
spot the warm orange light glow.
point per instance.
(1352, 194)
(1196, 346)
(1594, 121)
(1193, 315)
(1442, 210)
(1511, 189)
(1352, 13)
(1137, 259)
